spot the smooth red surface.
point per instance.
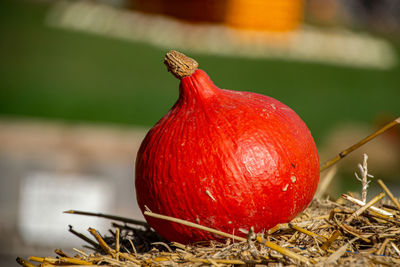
(226, 160)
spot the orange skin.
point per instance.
(227, 160)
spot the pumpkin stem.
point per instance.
(179, 64)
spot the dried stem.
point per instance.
(223, 261)
(364, 178)
(305, 231)
(194, 225)
(331, 239)
(117, 245)
(83, 237)
(395, 247)
(80, 252)
(325, 182)
(345, 152)
(129, 258)
(392, 198)
(24, 263)
(179, 64)
(284, 251)
(338, 253)
(101, 241)
(383, 246)
(61, 253)
(365, 207)
(107, 216)
(361, 203)
(60, 261)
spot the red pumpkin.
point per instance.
(224, 159)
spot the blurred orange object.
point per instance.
(266, 15)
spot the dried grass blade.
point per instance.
(307, 232)
(101, 241)
(396, 248)
(194, 225)
(164, 245)
(107, 216)
(74, 261)
(81, 252)
(325, 182)
(223, 261)
(383, 217)
(117, 245)
(331, 239)
(348, 150)
(129, 257)
(353, 232)
(60, 261)
(361, 203)
(284, 251)
(178, 245)
(365, 207)
(392, 198)
(338, 253)
(213, 263)
(61, 253)
(383, 246)
(43, 259)
(83, 237)
(380, 262)
(24, 263)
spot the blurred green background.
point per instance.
(61, 74)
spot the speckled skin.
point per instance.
(226, 160)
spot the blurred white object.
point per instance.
(44, 197)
